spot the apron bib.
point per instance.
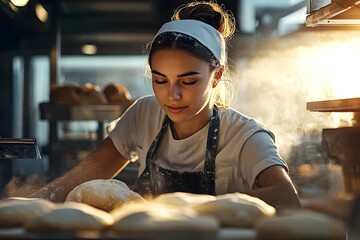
(156, 180)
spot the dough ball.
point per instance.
(154, 219)
(183, 199)
(339, 206)
(15, 211)
(236, 209)
(300, 224)
(71, 216)
(116, 93)
(105, 194)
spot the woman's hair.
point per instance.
(214, 15)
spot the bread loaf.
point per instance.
(116, 93)
(71, 94)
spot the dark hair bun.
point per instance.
(210, 13)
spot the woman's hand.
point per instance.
(103, 163)
(276, 188)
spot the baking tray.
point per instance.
(15, 148)
(222, 234)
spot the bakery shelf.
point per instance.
(335, 105)
(60, 148)
(69, 112)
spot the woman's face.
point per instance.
(181, 83)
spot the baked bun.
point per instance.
(116, 93)
(71, 94)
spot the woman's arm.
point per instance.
(276, 188)
(103, 163)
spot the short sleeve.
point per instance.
(137, 127)
(258, 153)
(122, 131)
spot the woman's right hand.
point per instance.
(104, 162)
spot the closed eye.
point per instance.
(189, 83)
(159, 82)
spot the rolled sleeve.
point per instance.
(122, 131)
(259, 152)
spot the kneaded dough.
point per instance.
(71, 216)
(300, 224)
(236, 209)
(105, 194)
(153, 218)
(183, 199)
(16, 211)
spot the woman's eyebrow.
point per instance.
(181, 75)
(157, 73)
(188, 74)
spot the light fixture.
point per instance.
(19, 3)
(41, 13)
(89, 49)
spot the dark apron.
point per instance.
(156, 180)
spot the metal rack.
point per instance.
(57, 148)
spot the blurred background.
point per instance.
(278, 64)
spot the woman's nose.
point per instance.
(175, 92)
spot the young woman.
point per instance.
(184, 137)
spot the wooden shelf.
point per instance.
(335, 105)
(69, 112)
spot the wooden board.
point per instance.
(223, 234)
(335, 105)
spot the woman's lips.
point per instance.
(175, 109)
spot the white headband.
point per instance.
(204, 33)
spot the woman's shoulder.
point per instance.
(148, 108)
(231, 116)
(146, 100)
(233, 121)
(147, 104)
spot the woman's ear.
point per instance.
(217, 76)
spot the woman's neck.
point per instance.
(182, 130)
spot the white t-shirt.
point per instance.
(245, 147)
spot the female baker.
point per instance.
(184, 138)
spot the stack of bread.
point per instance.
(112, 93)
(109, 206)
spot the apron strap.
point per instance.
(156, 143)
(212, 142)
